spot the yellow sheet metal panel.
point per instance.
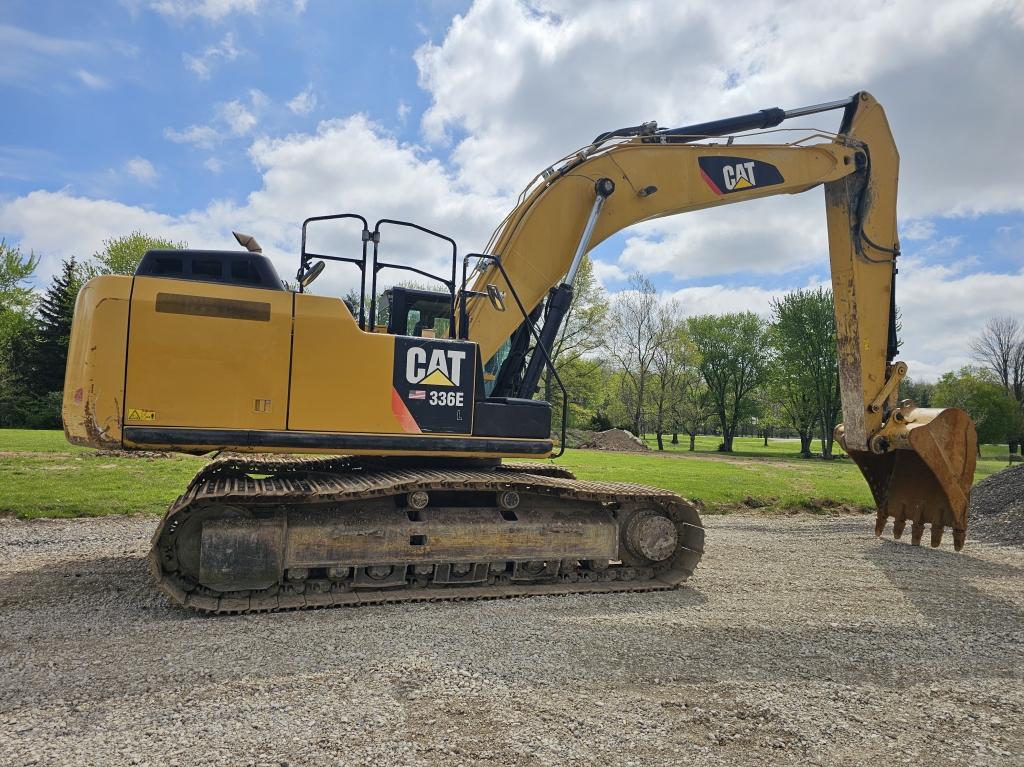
(94, 379)
(207, 355)
(341, 376)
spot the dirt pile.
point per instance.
(615, 439)
(573, 437)
(997, 508)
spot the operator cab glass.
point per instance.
(414, 312)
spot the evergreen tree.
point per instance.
(53, 328)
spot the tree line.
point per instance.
(35, 327)
(633, 361)
(637, 362)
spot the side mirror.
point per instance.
(311, 274)
(496, 297)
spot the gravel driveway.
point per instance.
(802, 640)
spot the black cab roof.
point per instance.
(251, 270)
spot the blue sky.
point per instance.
(187, 118)
(114, 77)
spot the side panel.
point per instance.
(341, 376)
(94, 379)
(207, 355)
(345, 380)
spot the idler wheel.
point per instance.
(651, 535)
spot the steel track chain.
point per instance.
(282, 480)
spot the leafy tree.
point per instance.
(633, 337)
(17, 330)
(733, 352)
(920, 392)
(582, 330)
(586, 381)
(1000, 349)
(16, 298)
(672, 356)
(121, 255)
(981, 394)
(693, 405)
(804, 337)
(791, 390)
(15, 269)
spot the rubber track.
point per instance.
(327, 480)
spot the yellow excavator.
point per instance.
(402, 494)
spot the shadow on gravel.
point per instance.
(943, 585)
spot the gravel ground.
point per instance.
(802, 640)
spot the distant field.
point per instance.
(41, 475)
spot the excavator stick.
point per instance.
(927, 479)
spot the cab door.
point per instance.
(207, 355)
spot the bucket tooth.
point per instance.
(959, 536)
(916, 531)
(880, 524)
(937, 531)
(898, 526)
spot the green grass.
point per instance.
(41, 475)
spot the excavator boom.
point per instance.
(919, 462)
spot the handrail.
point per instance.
(533, 331)
(305, 256)
(378, 265)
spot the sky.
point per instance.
(187, 119)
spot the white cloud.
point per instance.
(238, 118)
(719, 299)
(59, 224)
(917, 230)
(202, 136)
(403, 112)
(212, 10)
(258, 98)
(769, 236)
(217, 10)
(351, 162)
(17, 41)
(545, 90)
(33, 60)
(213, 164)
(304, 101)
(141, 170)
(90, 80)
(202, 64)
(607, 272)
(234, 117)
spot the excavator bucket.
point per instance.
(927, 478)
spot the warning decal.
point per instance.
(136, 414)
